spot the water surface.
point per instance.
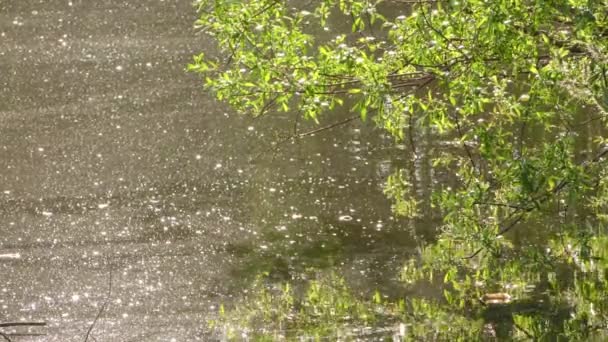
(114, 163)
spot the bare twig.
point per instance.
(466, 148)
(496, 204)
(305, 134)
(103, 307)
(324, 128)
(502, 231)
(5, 337)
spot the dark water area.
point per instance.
(116, 166)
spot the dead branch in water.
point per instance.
(102, 309)
(7, 337)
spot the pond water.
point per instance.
(116, 168)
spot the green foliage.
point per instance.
(520, 86)
(397, 189)
(326, 308)
(323, 308)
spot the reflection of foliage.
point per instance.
(562, 297)
(559, 292)
(325, 307)
(518, 85)
(397, 189)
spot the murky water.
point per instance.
(116, 166)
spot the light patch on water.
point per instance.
(119, 68)
(47, 213)
(10, 256)
(103, 205)
(75, 298)
(345, 218)
(218, 166)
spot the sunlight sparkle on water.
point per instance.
(10, 256)
(345, 218)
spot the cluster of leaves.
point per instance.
(520, 85)
(566, 303)
(326, 308)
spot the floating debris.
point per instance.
(10, 256)
(345, 218)
(496, 298)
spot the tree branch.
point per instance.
(523, 210)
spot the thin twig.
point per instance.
(496, 204)
(324, 128)
(466, 148)
(502, 231)
(302, 135)
(5, 337)
(103, 307)
(523, 210)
